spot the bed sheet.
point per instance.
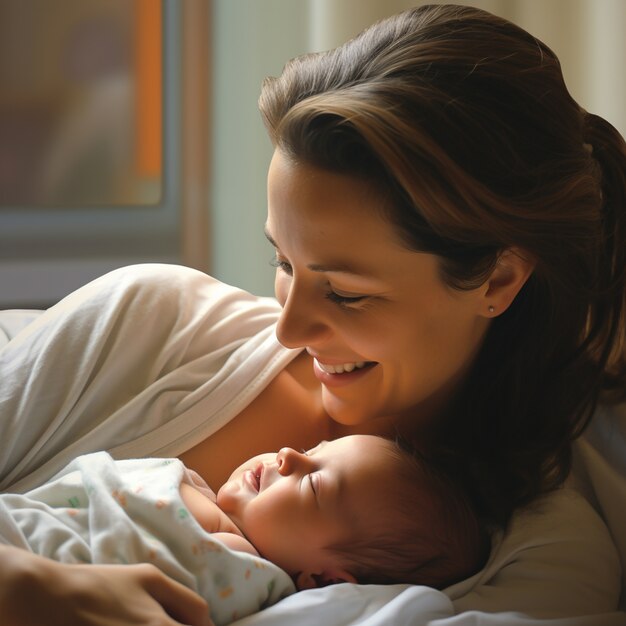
(351, 605)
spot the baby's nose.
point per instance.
(289, 460)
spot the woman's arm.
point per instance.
(35, 590)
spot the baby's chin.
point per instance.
(233, 496)
(226, 496)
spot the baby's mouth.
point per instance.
(258, 474)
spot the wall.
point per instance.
(254, 38)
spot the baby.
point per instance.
(356, 509)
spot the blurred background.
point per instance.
(129, 130)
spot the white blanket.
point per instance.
(151, 359)
(97, 510)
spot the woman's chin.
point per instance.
(346, 412)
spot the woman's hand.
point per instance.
(35, 590)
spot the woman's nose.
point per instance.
(290, 461)
(301, 323)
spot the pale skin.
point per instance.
(291, 506)
(208, 514)
(421, 335)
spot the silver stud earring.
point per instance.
(491, 308)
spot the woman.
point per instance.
(450, 235)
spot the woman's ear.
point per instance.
(333, 576)
(512, 270)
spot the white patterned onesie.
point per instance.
(98, 510)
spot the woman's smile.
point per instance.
(339, 375)
(340, 369)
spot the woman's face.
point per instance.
(388, 337)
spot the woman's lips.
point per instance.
(338, 375)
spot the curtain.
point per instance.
(587, 35)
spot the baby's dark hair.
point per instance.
(430, 534)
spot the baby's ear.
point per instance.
(332, 576)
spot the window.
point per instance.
(97, 135)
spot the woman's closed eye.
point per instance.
(342, 300)
(338, 298)
(282, 265)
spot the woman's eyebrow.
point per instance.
(337, 268)
(269, 237)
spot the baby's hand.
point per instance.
(206, 511)
(236, 542)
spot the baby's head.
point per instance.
(356, 509)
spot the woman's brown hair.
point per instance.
(464, 121)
